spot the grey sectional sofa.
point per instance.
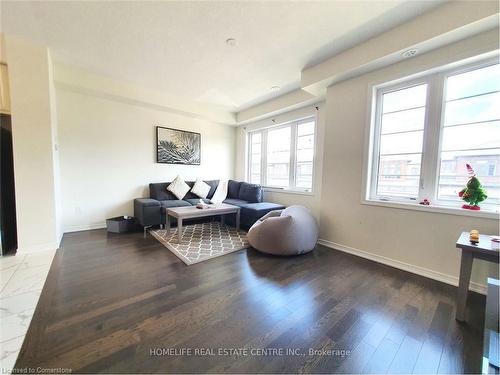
(151, 211)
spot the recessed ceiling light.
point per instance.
(231, 42)
(275, 88)
(409, 53)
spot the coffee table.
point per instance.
(192, 212)
(485, 249)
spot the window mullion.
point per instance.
(263, 159)
(430, 152)
(376, 145)
(293, 156)
(248, 156)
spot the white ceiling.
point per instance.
(179, 47)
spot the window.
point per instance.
(304, 155)
(471, 132)
(255, 157)
(283, 156)
(278, 157)
(427, 130)
(401, 141)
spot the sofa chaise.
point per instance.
(152, 211)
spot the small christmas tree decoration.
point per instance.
(473, 193)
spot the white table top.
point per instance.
(192, 211)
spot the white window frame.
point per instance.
(380, 91)
(432, 142)
(293, 157)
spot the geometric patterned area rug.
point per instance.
(202, 241)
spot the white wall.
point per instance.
(3, 53)
(55, 155)
(108, 154)
(421, 241)
(32, 129)
(311, 201)
(85, 81)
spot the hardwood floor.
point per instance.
(119, 303)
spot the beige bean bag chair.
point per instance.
(290, 231)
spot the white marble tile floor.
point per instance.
(21, 282)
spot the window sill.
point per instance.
(435, 209)
(287, 191)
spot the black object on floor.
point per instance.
(120, 224)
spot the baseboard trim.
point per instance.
(59, 240)
(79, 228)
(50, 246)
(447, 279)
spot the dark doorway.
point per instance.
(7, 189)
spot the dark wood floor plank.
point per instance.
(406, 356)
(99, 326)
(333, 332)
(382, 358)
(383, 318)
(416, 330)
(432, 348)
(366, 302)
(463, 348)
(237, 323)
(109, 299)
(298, 297)
(400, 327)
(296, 322)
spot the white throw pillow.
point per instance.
(200, 188)
(178, 187)
(220, 194)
